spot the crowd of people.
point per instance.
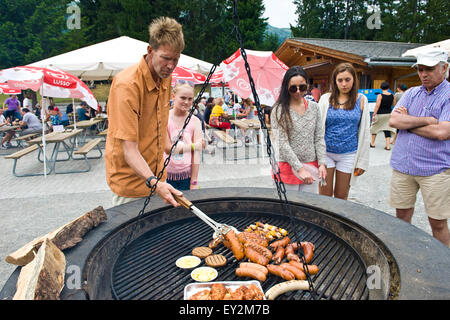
(322, 141)
(30, 118)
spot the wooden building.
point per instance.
(375, 61)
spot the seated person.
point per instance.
(217, 116)
(83, 112)
(64, 117)
(69, 108)
(54, 116)
(32, 123)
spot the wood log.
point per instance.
(64, 237)
(42, 278)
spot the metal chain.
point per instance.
(180, 134)
(281, 189)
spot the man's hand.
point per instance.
(358, 172)
(166, 191)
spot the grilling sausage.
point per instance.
(293, 256)
(235, 244)
(252, 265)
(255, 256)
(308, 249)
(251, 273)
(313, 269)
(246, 237)
(283, 243)
(280, 272)
(260, 249)
(279, 255)
(284, 287)
(298, 273)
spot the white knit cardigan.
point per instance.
(362, 153)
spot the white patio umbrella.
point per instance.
(104, 60)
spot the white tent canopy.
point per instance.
(104, 60)
(444, 45)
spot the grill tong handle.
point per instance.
(183, 201)
(188, 205)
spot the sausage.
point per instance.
(236, 246)
(313, 269)
(280, 272)
(256, 266)
(251, 273)
(255, 256)
(279, 255)
(289, 249)
(245, 237)
(308, 249)
(293, 256)
(260, 249)
(284, 287)
(298, 273)
(283, 243)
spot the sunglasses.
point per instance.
(301, 88)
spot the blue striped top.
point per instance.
(416, 155)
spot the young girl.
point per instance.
(296, 124)
(182, 171)
(345, 116)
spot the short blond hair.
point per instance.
(179, 86)
(165, 30)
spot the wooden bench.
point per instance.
(26, 137)
(19, 154)
(222, 135)
(83, 151)
(103, 134)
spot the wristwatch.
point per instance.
(147, 182)
(194, 183)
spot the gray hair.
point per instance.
(441, 66)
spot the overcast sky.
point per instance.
(281, 13)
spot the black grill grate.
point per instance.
(146, 269)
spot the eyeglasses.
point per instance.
(301, 88)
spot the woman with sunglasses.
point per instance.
(296, 125)
(182, 171)
(346, 119)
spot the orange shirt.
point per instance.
(137, 111)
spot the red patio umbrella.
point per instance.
(267, 73)
(52, 82)
(186, 74)
(5, 89)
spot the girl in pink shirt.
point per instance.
(182, 171)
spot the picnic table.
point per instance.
(65, 139)
(8, 128)
(250, 124)
(86, 124)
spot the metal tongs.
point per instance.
(220, 229)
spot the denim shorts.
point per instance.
(184, 184)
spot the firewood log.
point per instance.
(43, 277)
(64, 237)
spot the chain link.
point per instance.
(281, 189)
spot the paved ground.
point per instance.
(33, 206)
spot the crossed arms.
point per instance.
(427, 127)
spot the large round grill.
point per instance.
(146, 269)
